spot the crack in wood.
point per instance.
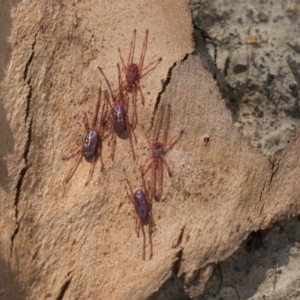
(165, 83)
(63, 289)
(275, 167)
(27, 146)
(29, 95)
(179, 254)
(19, 186)
(28, 81)
(177, 263)
(29, 61)
(179, 237)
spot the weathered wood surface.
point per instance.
(77, 242)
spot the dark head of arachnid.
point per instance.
(132, 74)
(157, 149)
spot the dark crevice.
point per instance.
(209, 40)
(226, 67)
(275, 166)
(176, 266)
(29, 61)
(232, 95)
(173, 285)
(27, 146)
(202, 39)
(165, 83)
(19, 185)
(179, 238)
(28, 100)
(263, 189)
(63, 289)
(28, 81)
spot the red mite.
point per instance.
(134, 72)
(118, 123)
(90, 148)
(158, 150)
(141, 200)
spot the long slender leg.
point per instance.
(106, 97)
(71, 172)
(148, 194)
(126, 100)
(144, 170)
(166, 164)
(112, 139)
(140, 90)
(150, 67)
(100, 154)
(159, 180)
(103, 121)
(122, 61)
(108, 84)
(153, 181)
(134, 114)
(130, 140)
(121, 95)
(94, 121)
(134, 95)
(142, 57)
(124, 88)
(131, 130)
(111, 130)
(106, 123)
(137, 226)
(72, 151)
(150, 231)
(156, 126)
(172, 141)
(132, 48)
(145, 188)
(147, 138)
(91, 169)
(86, 123)
(130, 188)
(166, 125)
(113, 147)
(144, 241)
(130, 197)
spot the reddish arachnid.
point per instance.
(90, 148)
(134, 71)
(118, 123)
(141, 200)
(158, 150)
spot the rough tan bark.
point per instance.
(67, 240)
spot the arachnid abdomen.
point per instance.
(90, 144)
(119, 116)
(141, 205)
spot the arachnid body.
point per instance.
(141, 200)
(134, 71)
(90, 148)
(118, 123)
(158, 149)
